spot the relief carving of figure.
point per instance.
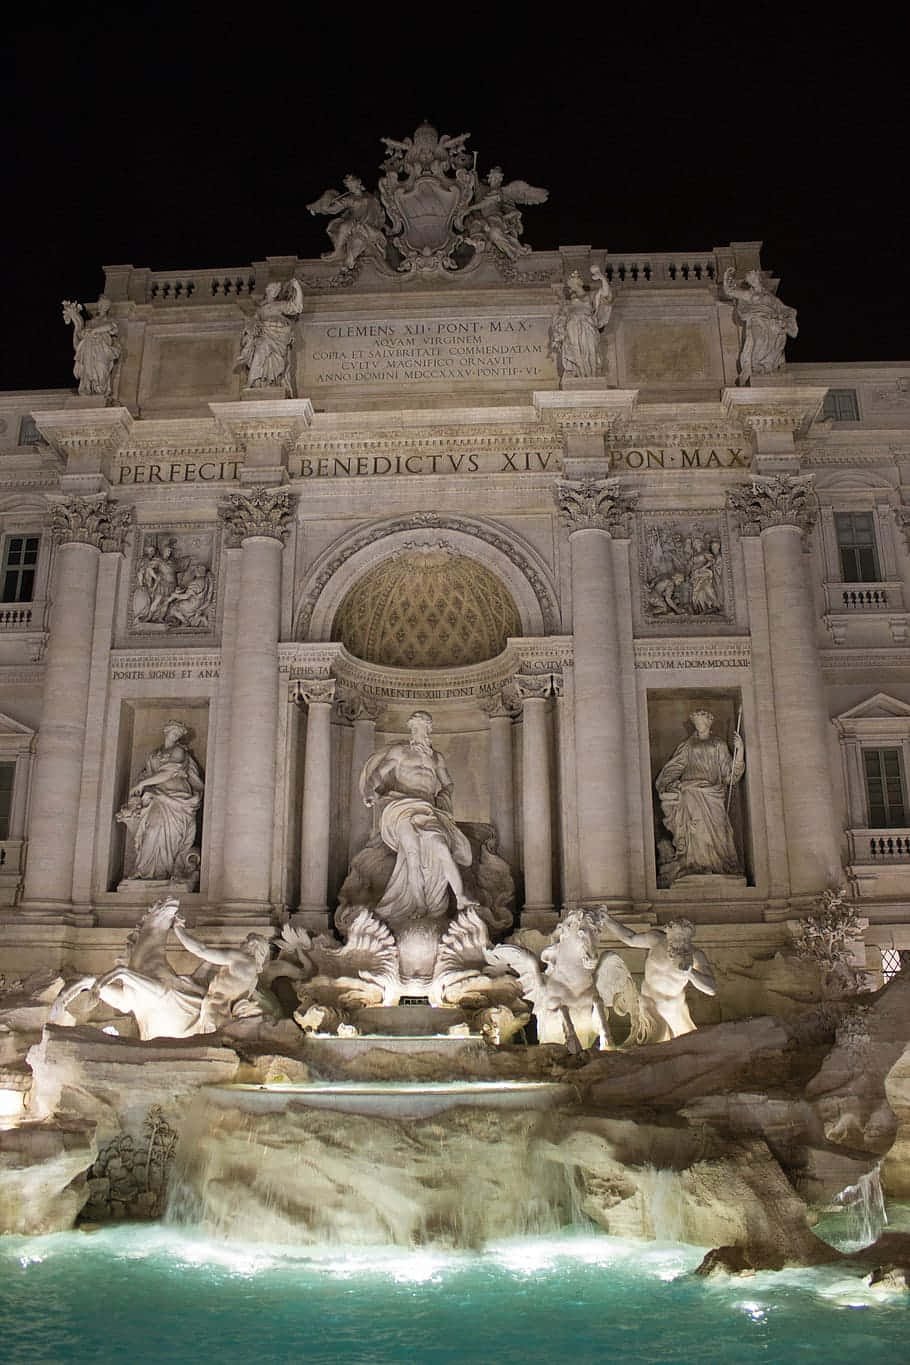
(575, 330)
(161, 813)
(191, 603)
(766, 324)
(684, 572)
(695, 787)
(672, 964)
(493, 218)
(172, 589)
(359, 225)
(95, 344)
(265, 345)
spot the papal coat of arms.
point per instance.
(432, 212)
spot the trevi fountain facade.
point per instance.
(454, 704)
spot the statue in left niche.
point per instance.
(95, 344)
(164, 1003)
(266, 343)
(161, 813)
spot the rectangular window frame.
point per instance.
(891, 807)
(857, 548)
(21, 552)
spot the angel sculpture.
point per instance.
(493, 218)
(95, 345)
(359, 222)
(265, 345)
(571, 988)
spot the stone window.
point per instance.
(885, 789)
(7, 776)
(841, 405)
(20, 559)
(856, 547)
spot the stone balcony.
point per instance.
(851, 609)
(880, 861)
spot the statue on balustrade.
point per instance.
(766, 324)
(577, 324)
(162, 813)
(359, 224)
(695, 787)
(266, 343)
(164, 1003)
(95, 344)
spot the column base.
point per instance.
(541, 917)
(255, 913)
(44, 912)
(315, 919)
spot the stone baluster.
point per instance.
(501, 777)
(83, 528)
(595, 511)
(535, 691)
(781, 510)
(318, 695)
(260, 520)
(361, 711)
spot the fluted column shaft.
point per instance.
(801, 709)
(502, 785)
(317, 802)
(536, 807)
(57, 778)
(249, 812)
(599, 720)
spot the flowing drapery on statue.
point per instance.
(422, 835)
(694, 788)
(161, 812)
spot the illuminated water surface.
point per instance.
(162, 1294)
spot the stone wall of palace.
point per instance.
(645, 544)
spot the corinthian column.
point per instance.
(318, 694)
(260, 520)
(82, 528)
(535, 691)
(502, 784)
(595, 511)
(781, 510)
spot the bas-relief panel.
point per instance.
(684, 570)
(667, 353)
(173, 587)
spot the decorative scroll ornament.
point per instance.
(307, 691)
(594, 504)
(91, 521)
(351, 704)
(258, 512)
(776, 500)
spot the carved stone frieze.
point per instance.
(94, 520)
(594, 504)
(174, 580)
(130, 665)
(258, 512)
(675, 653)
(684, 569)
(775, 500)
(309, 691)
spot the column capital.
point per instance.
(501, 704)
(93, 520)
(258, 512)
(311, 691)
(532, 687)
(594, 504)
(775, 500)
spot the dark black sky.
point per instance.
(187, 136)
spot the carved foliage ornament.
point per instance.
(594, 504)
(90, 521)
(776, 500)
(259, 512)
(308, 691)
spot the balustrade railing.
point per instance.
(15, 618)
(881, 845)
(864, 597)
(662, 269)
(200, 286)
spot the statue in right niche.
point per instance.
(695, 787)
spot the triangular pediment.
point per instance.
(8, 726)
(879, 707)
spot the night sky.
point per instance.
(181, 137)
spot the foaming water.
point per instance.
(863, 1218)
(153, 1293)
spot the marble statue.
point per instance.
(95, 344)
(359, 222)
(410, 787)
(672, 964)
(164, 1003)
(577, 324)
(266, 344)
(571, 987)
(766, 324)
(162, 810)
(695, 786)
(493, 218)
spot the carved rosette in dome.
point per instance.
(594, 505)
(90, 521)
(776, 500)
(258, 512)
(427, 607)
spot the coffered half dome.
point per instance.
(427, 607)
